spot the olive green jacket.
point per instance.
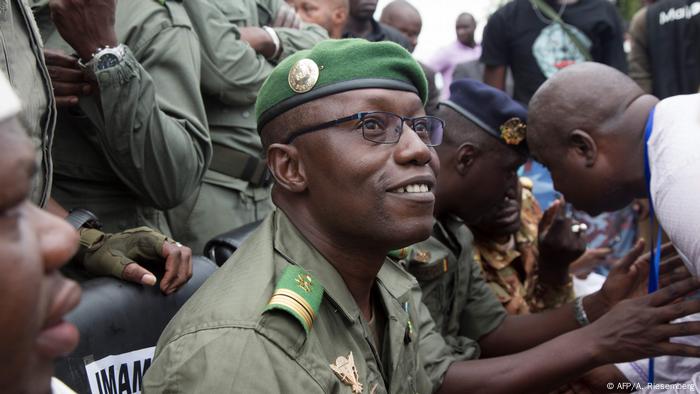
(22, 61)
(142, 144)
(454, 290)
(232, 72)
(222, 340)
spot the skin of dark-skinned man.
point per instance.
(34, 296)
(465, 27)
(329, 14)
(361, 24)
(342, 206)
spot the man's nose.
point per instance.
(58, 240)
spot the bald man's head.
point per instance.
(332, 15)
(403, 16)
(586, 125)
(466, 26)
(587, 96)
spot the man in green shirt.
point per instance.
(136, 143)
(310, 303)
(241, 41)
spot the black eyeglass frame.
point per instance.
(360, 116)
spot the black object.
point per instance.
(221, 247)
(81, 217)
(116, 317)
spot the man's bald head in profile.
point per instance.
(404, 17)
(587, 96)
(586, 124)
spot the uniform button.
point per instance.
(246, 114)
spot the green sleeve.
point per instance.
(225, 360)
(437, 353)
(293, 40)
(638, 58)
(482, 312)
(151, 120)
(231, 69)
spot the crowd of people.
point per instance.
(514, 215)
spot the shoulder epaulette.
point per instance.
(400, 253)
(298, 294)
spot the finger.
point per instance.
(678, 309)
(673, 277)
(549, 215)
(58, 58)
(600, 253)
(675, 349)
(626, 262)
(674, 291)
(58, 73)
(670, 264)
(66, 101)
(172, 255)
(137, 274)
(70, 88)
(184, 269)
(668, 249)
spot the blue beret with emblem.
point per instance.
(492, 110)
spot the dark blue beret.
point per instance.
(492, 110)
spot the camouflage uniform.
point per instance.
(510, 268)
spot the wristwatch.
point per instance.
(104, 58)
(82, 218)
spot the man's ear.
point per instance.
(284, 164)
(465, 156)
(339, 16)
(584, 145)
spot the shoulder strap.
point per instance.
(551, 14)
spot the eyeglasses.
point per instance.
(385, 127)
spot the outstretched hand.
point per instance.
(119, 255)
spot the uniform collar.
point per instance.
(291, 244)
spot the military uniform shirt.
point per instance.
(454, 291)
(22, 60)
(146, 148)
(222, 340)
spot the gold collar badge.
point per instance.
(345, 369)
(303, 75)
(304, 282)
(513, 131)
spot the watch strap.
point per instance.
(82, 218)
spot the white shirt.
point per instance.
(674, 155)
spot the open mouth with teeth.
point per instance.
(414, 188)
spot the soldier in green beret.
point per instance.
(311, 304)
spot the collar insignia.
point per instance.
(513, 131)
(346, 371)
(303, 75)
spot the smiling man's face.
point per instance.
(379, 193)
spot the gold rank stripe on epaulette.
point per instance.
(298, 294)
(400, 253)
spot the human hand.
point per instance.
(85, 24)
(671, 268)
(597, 381)
(590, 259)
(640, 327)
(287, 17)
(259, 40)
(559, 246)
(116, 255)
(68, 80)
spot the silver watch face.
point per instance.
(106, 61)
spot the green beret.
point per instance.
(335, 66)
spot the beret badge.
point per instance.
(513, 131)
(303, 75)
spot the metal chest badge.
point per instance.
(513, 131)
(303, 75)
(345, 369)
